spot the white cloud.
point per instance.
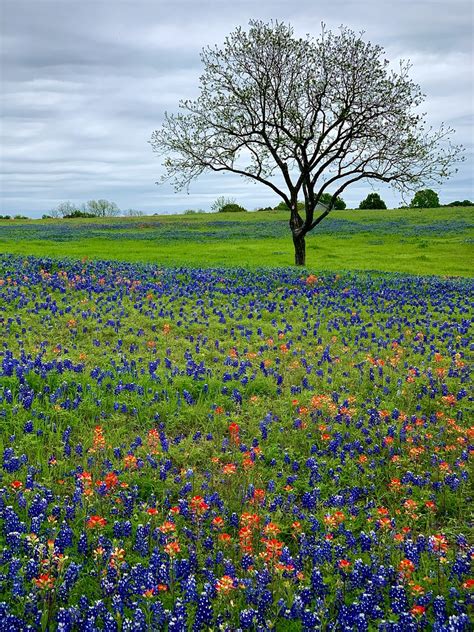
(84, 85)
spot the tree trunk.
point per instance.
(296, 225)
(300, 248)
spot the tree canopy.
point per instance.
(303, 116)
(338, 204)
(425, 199)
(372, 201)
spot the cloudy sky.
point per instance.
(85, 82)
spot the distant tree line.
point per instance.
(93, 208)
(422, 199)
(427, 198)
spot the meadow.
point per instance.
(229, 448)
(428, 241)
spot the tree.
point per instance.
(326, 199)
(459, 203)
(220, 202)
(283, 206)
(373, 201)
(63, 209)
(303, 116)
(425, 199)
(102, 208)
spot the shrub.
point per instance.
(220, 202)
(78, 213)
(325, 199)
(283, 207)
(232, 208)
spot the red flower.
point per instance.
(224, 537)
(172, 548)
(44, 581)
(217, 522)
(111, 480)
(417, 610)
(96, 521)
(199, 505)
(167, 527)
(406, 566)
(234, 430)
(274, 548)
(439, 542)
(344, 565)
(225, 584)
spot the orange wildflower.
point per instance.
(130, 461)
(96, 521)
(439, 542)
(225, 585)
(224, 537)
(273, 548)
(406, 567)
(44, 582)
(230, 468)
(271, 529)
(172, 548)
(418, 610)
(199, 505)
(217, 522)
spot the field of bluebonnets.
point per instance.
(192, 449)
(421, 241)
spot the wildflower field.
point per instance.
(193, 449)
(414, 241)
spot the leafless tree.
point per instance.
(304, 116)
(102, 208)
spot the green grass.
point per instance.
(431, 241)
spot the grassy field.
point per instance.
(425, 242)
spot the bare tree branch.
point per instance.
(311, 113)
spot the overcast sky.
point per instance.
(85, 82)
